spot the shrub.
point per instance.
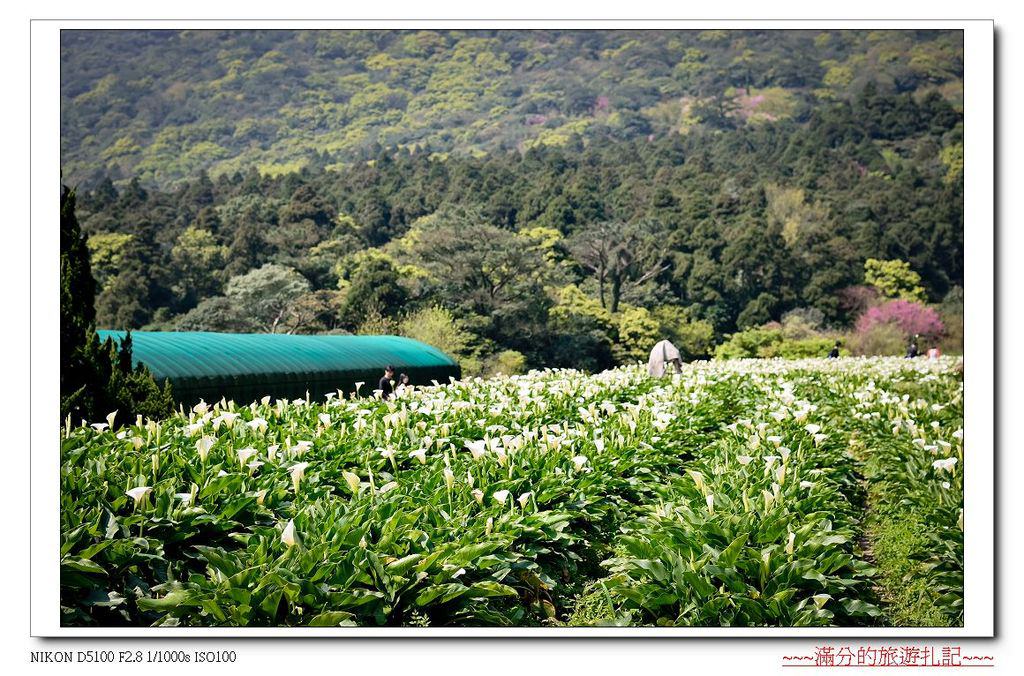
(951, 310)
(802, 323)
(437, 326)
(748, 344)
(880, 339)
(695, 339)
(952, 341)
(506, 363)
(799, 349)
(911, 318)
(638, 332)
(770, 340)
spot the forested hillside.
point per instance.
(522, 198)
(163, 105)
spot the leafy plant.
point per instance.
(723, 495)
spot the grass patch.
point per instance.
(900, 549)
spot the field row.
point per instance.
(734, 493)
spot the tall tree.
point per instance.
(77, 313)
(198, 261)
(95, 378)
(621, 255)
(373, 288)
(266, 294)
(494, 279)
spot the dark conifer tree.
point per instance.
(95, 378)
(77, 312)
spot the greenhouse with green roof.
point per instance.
(248, 367)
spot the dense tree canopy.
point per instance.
(702, 190)
(164, 105)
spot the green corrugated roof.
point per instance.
(247, 366)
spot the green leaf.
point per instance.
(83, 566)
(333, 618)
(487, 588)
(403, 564)
(855, 607)
(729, 555)
(176, 598)
(703, 588)
(271, 602)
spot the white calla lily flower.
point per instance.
(139, 493)
(244, 454)
(203, 446)
(288, 534)
(297, 472)
(352, 480)
(477, 448)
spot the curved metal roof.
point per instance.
(248, 366)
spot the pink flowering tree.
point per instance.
(911, 318)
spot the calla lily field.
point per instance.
(747, 493)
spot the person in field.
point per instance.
(912, 350)
(663, 354)
(834, 353)
(386, 385)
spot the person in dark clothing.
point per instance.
(835, 351)
(387, 382)
(912, 349)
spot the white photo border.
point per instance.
(979, 342)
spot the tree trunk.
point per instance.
(277, 320)
(616, 292)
